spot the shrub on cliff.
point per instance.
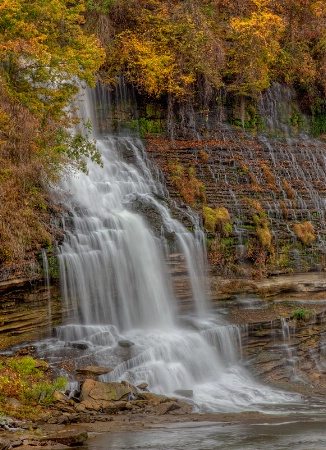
(217, 220)
(305, 231)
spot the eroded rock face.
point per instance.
(286, 350)
(24, 314)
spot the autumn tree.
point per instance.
(44, 58)
(161, 47)
(254, 49)
(302, 61)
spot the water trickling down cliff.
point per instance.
(272, 183)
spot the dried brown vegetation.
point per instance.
(305, 231)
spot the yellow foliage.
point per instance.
(262, 224)
(43, 51)
(222, 214)
(209, 219)
(164, 47)
(190, 188)
(217, 219)
(242, 44)
(305, 231)
(151, 68)
(265, 237)
(256, 44)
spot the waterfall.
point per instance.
(112, 264)
(122, 309)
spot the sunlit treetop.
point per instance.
(44, 58)
(44, 52)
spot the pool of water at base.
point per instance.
(285, 435)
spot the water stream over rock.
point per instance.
(121, 308)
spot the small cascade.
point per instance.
(286, 334)
(288, 350)
(46, 272)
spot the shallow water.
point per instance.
(298, 435)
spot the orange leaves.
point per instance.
(305, 232)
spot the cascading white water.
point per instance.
(115, 280)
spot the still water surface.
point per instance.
(295, 435)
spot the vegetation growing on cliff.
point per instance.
(217, 220)
(190, 188)
(44, 56)
(25, 385)
(305, 232)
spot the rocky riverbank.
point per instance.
(278, 342)
(64, 423)
(108, 408)
(60, 429)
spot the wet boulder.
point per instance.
(93, 371)
(153, 399)
(125, 343)
(101, 396)
(80, 345)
